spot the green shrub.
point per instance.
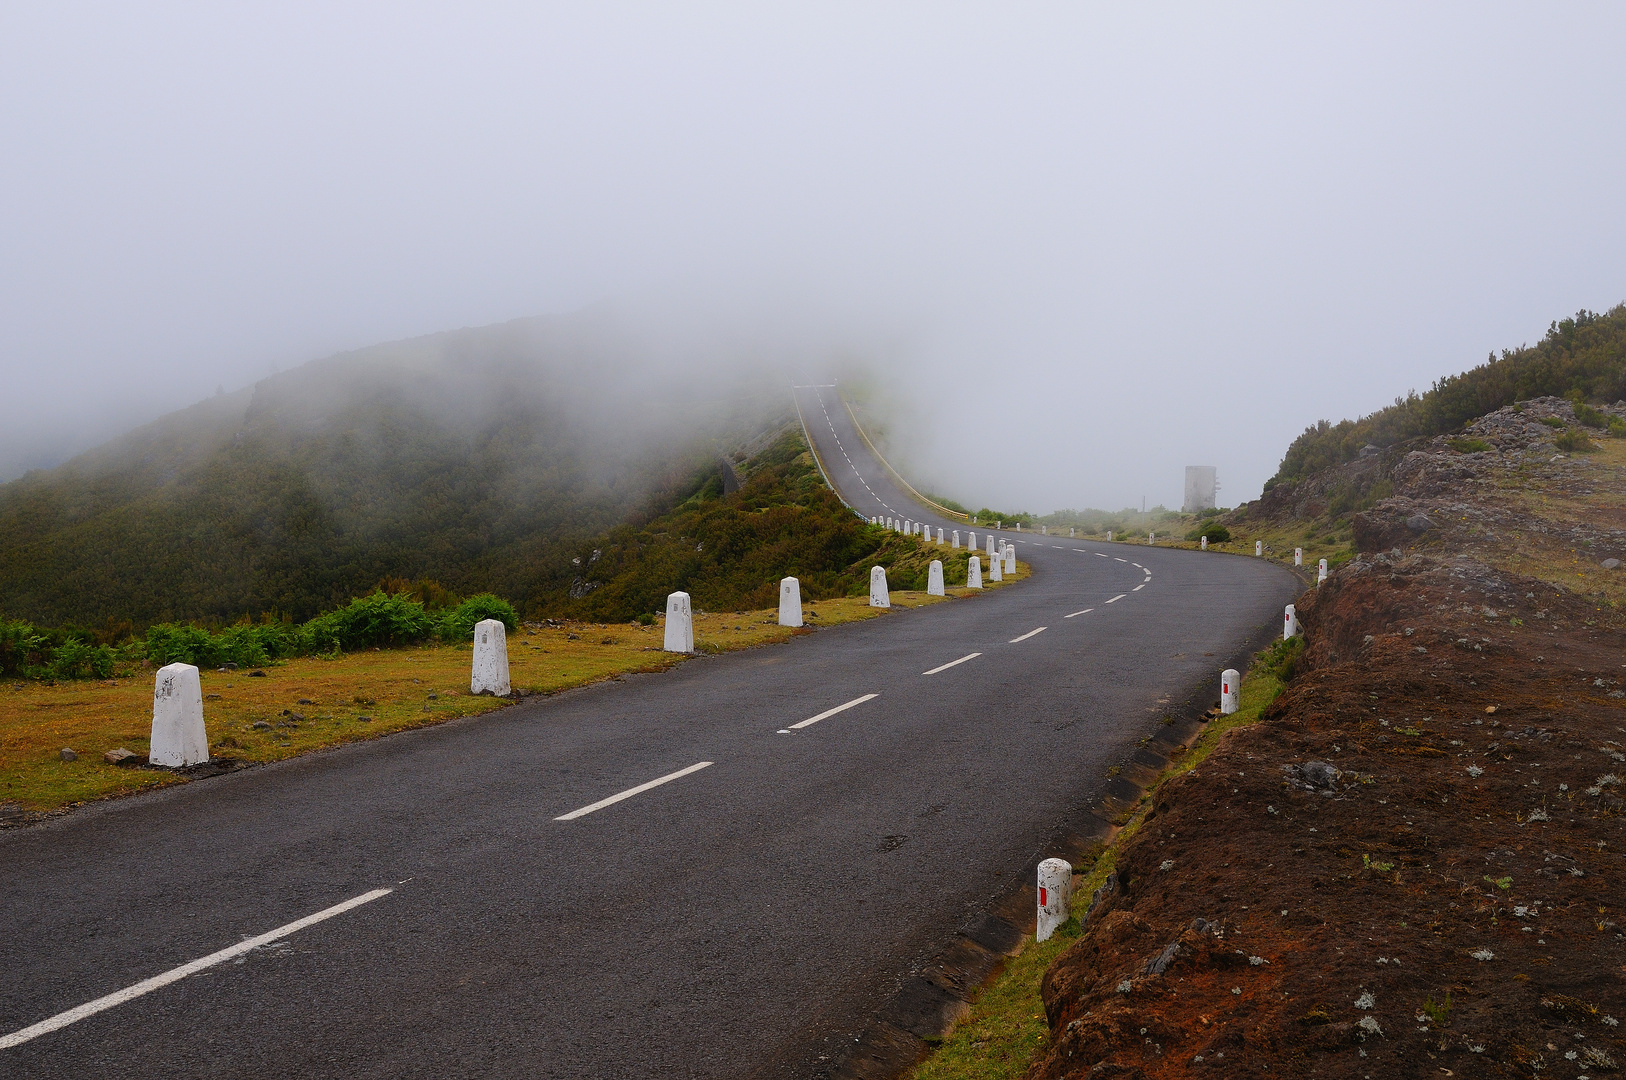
(20, 646)
(1552, 422)
(377, 619)
(1617, 427)
(1466, 445)
(1589, 416)
(1574, 441)
(76, 660)
(1281, 658)
(1216, 533)
(458, 625)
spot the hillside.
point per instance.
(1583, 357)
(480, 458)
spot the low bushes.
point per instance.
(379, 619)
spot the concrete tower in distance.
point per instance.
(1200, 487)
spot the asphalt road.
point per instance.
(746, 917)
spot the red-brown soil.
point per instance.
(1466, 845)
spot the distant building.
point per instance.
(1200, 488)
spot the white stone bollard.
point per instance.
(992, 550)
(934, 578)
(939, 535)
(973, 573)
(996, 565)
(790, 602)
(679, 624)
(1321, 575)
(1044, 530)
(954, 540)
(1151, 538)
(971, 541)
(1204, 541)
(1258, 547)
(1109, 536)
(878, 596)
(178, 735)
(490, 672)
(1290, 623)
(1055, 896)
(1072, 534)
(1230, 691)
(908, 527)
(1010, 559)
(1298, 556)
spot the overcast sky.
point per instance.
(1103, 242)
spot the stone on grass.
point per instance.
(121, 756)
(679, 624)
(878, 595)
(1611, 564)
(790, 602)
(489, 674)
(178, 735)
(67, 754)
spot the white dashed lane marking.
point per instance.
(1117, 598)
(630, 792)
(951, 663)
(1027, 635)
(1086, 611)
(826, 714)
(147, 986)
(1139, 587)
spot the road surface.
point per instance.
(746, 917)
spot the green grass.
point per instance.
(1006, 1029)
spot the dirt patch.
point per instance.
(1412, 866)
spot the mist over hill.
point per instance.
(477, 457)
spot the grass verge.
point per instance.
(1006, 1028)
(315, 703)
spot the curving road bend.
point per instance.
(719, 871)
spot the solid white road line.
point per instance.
(826, 714)
(1086, 611)
(1027, 635)
(951, 663)
(1115, 599)
(130, 993)
(630, 792)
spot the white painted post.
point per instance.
(1290, 623)
(992, 550)
(1010, 559)
(1109, 536)
(490, 672)
(1204, 541)
(996, 564)
(1072, 533)
(1298, 556)
(1018, 526)
(934, 578)
(178, 735)
(1044, 530)
(954, 541)
(878, 596)
(908, 527)
(1230, 691)
(679, 624)
(940, 535)
(1258, 547)
(790, 602)
(971, 540)
(1321, 575)
(1055, 896)
(973, 573)
(1151, 538)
